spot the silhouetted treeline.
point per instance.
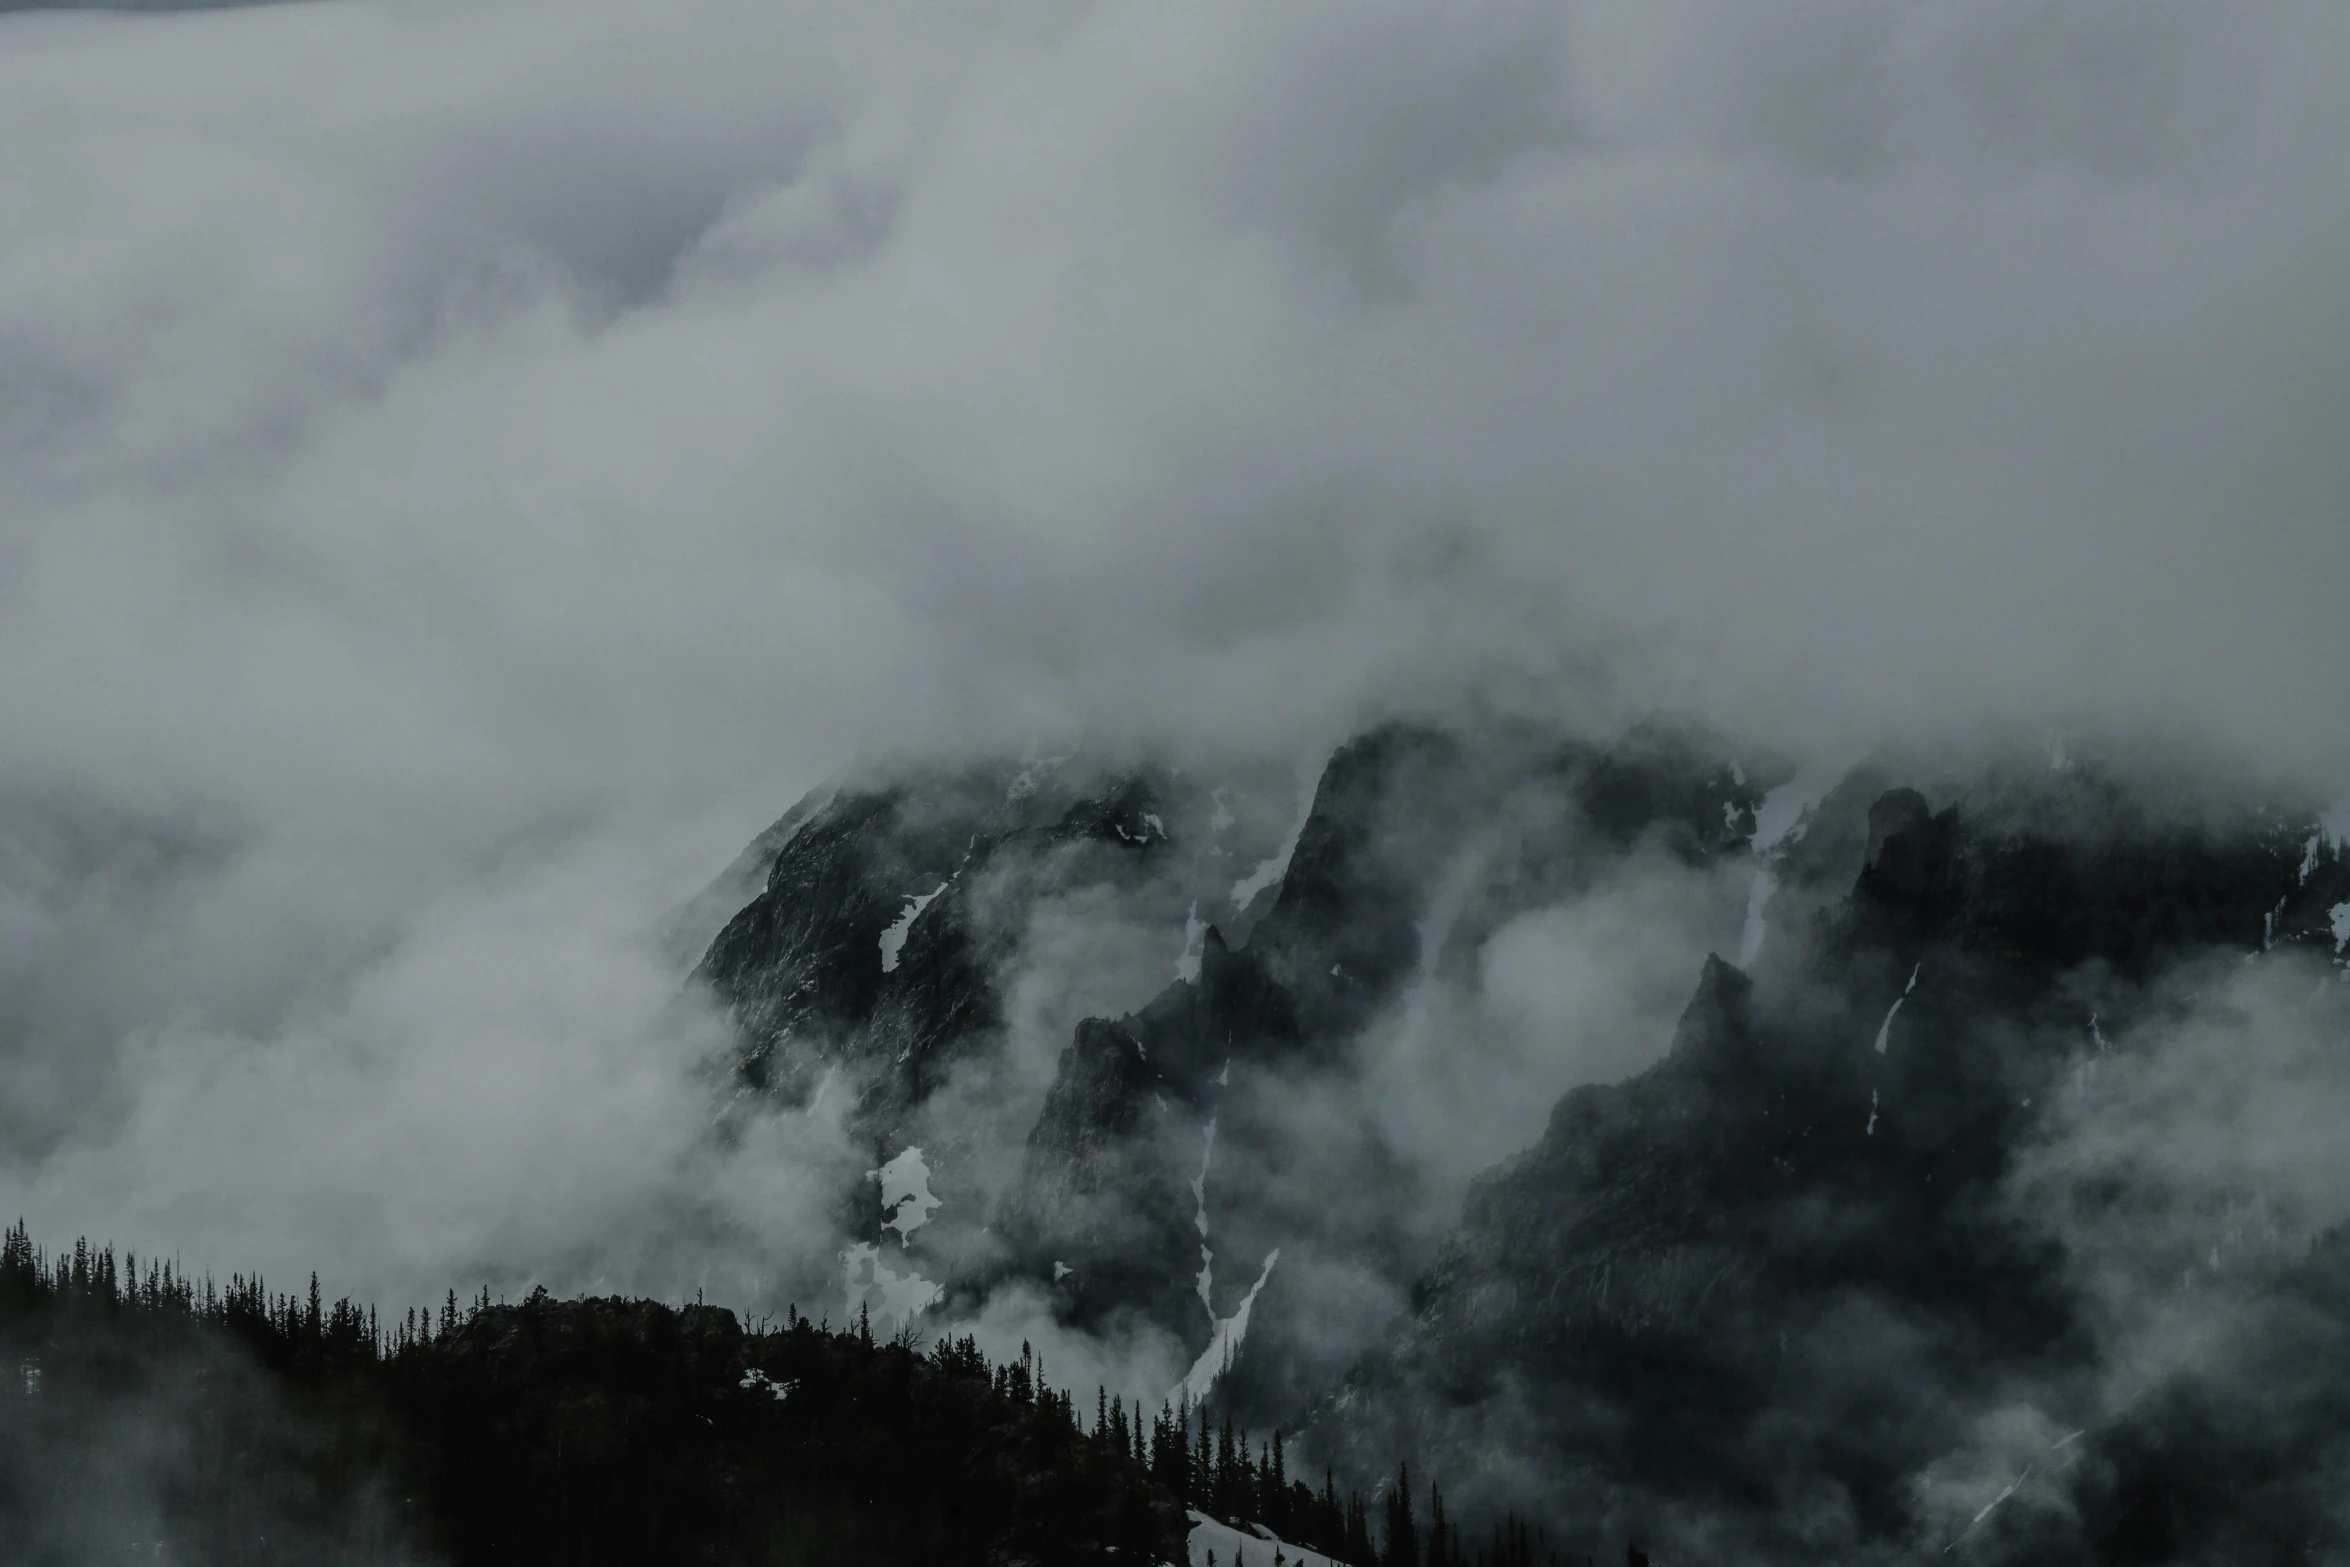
(1222, 1473)
(145, 1409)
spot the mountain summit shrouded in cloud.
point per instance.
(1204, 506)
(598, 404)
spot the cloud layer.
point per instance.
(464, 467)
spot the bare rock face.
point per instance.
(1777, 1271)
(896, 911)
(1161, 1173)
(1098, 1213)
(1211, 1166)
(2054, 869)
(1779, 1263)
(1907, 853)
(886, 915)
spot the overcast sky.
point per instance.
(464, 467)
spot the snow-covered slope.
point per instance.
(1215, 1544)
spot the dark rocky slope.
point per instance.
(1773, 1278)
(1752, 1294)
(1102, 1209)
(1121, 1172)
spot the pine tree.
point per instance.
(1403, 1533)
(1226, 1462)
(1171, 1461)
(1203, 1453)
(1357, 1543)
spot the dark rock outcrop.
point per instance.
(1782, 1260)
(1512, 820)
(894, 904)
(1774, 1272)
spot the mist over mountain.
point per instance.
(1976, 1141)
(1594, 745)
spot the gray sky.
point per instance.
(463, 467)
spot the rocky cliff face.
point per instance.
(890, 909)
(1165, 1162)
(1775, 1278)
(1783, 1269)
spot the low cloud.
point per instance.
(516, 1090)
(466, 467)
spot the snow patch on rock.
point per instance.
(896, 1298)
(893, 940)
(905, 1193)
(755, 1379)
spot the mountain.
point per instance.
(1781, 1273)
(1543, 1142)
(1760, 1296)
(897, 913)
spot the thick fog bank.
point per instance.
(465, 469)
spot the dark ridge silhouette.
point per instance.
(155, 1412)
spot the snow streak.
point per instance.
(1885, 1029)
(1225, 1342)
(1199, 1216)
